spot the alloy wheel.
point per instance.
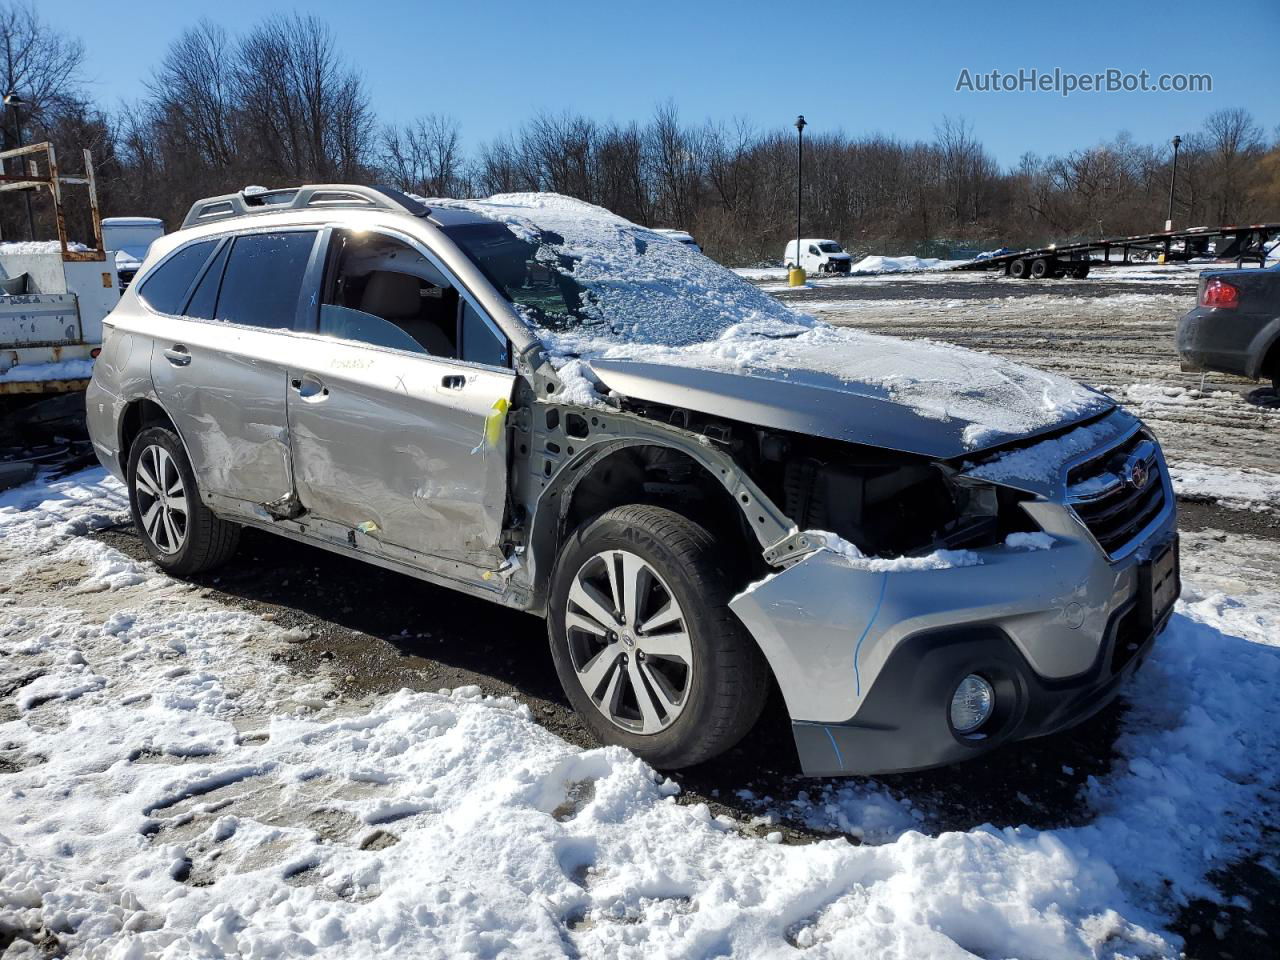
(629, 642)
(162, 499)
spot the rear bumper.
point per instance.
(1225, 341)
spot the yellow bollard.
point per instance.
(796, 277)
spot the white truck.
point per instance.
(817, 256)
(53, 294)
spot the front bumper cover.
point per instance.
(867, 661)
(903, 725)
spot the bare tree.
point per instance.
(38, 63)
(305, 113)
(425, 156)
(1233, 140)
(195, 94)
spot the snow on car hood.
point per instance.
(915, 396)
(659, 322)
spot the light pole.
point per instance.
(796, 277)
(1173, 180)
(13, 102)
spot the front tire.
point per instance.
(643, 640)
(179, 532)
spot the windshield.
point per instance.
(576, 270)
(827, 246)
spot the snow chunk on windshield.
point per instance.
(591, 271)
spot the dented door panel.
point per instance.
(226, 395)
(392, 446)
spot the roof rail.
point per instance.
(253, 200)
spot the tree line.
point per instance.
(279, 104)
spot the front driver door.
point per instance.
(387, 420)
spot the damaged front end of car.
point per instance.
(889, 586)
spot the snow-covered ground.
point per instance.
(168, 788)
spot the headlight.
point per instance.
(971, 704)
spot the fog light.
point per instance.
(971, 704)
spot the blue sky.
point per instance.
(872, 67)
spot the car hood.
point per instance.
(917, 397)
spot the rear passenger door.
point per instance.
(388, 403)
(219, 367)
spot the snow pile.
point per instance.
(27, 247)
(1238, 489)
(881, 264)
(76, 369)
(850, 554)
(173, 792)
(1029, 541)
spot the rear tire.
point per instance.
(1018, 269)
(672, 676)
(179, 532)
(1039, 268)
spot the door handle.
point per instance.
(453, 381)
(178, 355)
(309, 387)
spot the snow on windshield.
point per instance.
(634, 285)
(648, 298)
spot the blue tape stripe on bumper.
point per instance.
(857, 677)
(835, 747)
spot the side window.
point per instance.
(479, 343)
(165, 288)
(813, 249)
(263, 278)
(380, 291)
(205, 297)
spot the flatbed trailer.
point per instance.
(1244, 244)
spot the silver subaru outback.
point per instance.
(929, 551)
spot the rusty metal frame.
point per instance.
(53, 181)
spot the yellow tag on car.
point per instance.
(494, 423)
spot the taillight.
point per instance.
(1219, 293)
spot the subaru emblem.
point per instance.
(1136, 473)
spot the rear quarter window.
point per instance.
(263, 278)
(165, 288)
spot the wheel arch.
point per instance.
(603, 474)
(1264, 358)
(139, 414)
